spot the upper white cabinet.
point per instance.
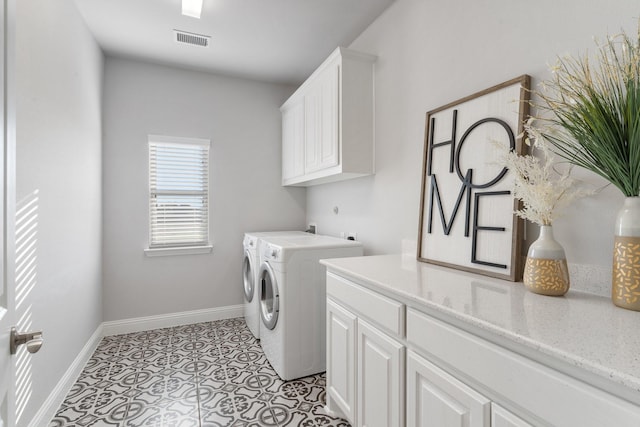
(327, 124)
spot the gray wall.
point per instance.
(59, 94)
(433, 52)
(242, 120)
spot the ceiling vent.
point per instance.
(192, 38)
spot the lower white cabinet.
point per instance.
(365, 355)
(436, 399)
(393, 366)
(380, 378)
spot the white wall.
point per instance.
(59, 95)
(433, 52)
(242, 120)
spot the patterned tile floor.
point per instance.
(202, 375)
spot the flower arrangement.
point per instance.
(592, 109)
(543, 190)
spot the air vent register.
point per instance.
(192, 38)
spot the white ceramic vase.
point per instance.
(546, 271)
(625, 289)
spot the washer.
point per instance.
(250, 270)
(293, 301)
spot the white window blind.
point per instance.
(178, 192)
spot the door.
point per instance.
(322, 112)
(380, 379)
(248, 277)
(293, 141)
(7, 209)
(341, 360)
(436, 399)
(269, 297)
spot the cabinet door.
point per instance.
(321, 121)
(436, 399)
(341, 359)
(500, 417)
(380, 381)
(293, 142)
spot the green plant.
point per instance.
(593, 109)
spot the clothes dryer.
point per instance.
(293, 300)
(250, 269)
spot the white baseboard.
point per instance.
(140, 324)
(49, 408)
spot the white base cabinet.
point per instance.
(390, 366)
(365, 350)
(328, 123)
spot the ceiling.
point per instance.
(279, 41)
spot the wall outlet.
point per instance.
(352, 235)
(312, 229)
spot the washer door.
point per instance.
(248, 277)
(269, 297)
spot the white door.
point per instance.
(436, 399)
(269, 297)
(341, 360)
(322, 112)
(7, 191)
(380, 383)
(329, 111)
(293, 141)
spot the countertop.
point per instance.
(586, 334)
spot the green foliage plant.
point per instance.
(592, 111)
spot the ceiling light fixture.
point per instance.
(192, 8)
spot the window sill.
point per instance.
(189, 250)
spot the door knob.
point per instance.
(33, 340)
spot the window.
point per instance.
(178, 195)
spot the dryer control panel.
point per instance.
(271, 252)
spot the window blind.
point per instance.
(178, 192)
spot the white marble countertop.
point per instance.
(585, 333)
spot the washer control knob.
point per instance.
(274, 253)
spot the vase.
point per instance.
(545, 271)
(625, 289)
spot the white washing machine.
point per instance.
(293, 301)
(250, 270)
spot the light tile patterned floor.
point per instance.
(202, 375)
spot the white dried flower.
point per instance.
(543, 190)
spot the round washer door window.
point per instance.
(269, 297)
(248, 277)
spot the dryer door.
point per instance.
(269, 297)
(248, 277)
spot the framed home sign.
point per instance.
(466, 205)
